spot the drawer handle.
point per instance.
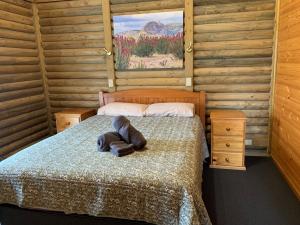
(68, 123)
(227, 160)
(228, 129)
(227, 145)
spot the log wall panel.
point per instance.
(21, 3)
(11, 34)
(229, 62)
(23, 125)
(233, 48)
(19, 10)
(285, 122)
(142, 5)
(20, 93)
(72, 39)
(16, 26)
(15, 18)
(71, 20)
(68, 4)
(84, 11)
(23, 113)
(17, 44)
(231, 6)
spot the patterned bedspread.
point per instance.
(161, 185)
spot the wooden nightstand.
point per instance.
(228, 139)
(71, 117)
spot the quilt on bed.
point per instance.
(161, 185)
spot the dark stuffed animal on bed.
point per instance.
(128, 132)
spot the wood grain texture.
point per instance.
(228, 139)
(22, 109)
(19, 10)
(233, 48)
(231, 59)
(72, 34)
(285, 122)
(110, 65)
(36, 22)
(188, 40)
(142, 5)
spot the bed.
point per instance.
(160, 185)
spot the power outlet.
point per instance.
(248, 142)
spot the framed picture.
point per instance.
(148, 41)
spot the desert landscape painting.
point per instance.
(148, 41)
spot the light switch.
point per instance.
(188, 82)
(248, 142)
(110, 83)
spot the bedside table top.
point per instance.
(76, 111)
(227, 114)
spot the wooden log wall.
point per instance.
(72, 40)
(286, 114)
(233, 47)
(23, 113)
(232, 51)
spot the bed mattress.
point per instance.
(160, 185)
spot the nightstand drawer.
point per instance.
(227, 159)
(228, 127)
(228, 143)
(70, 117)
(63, 122)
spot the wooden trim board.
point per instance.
(42, 61)
(108, 39)
(273, 76)
(188, 43)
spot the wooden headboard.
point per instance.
(149, 96)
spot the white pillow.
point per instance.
(171, 109)
(122, 108)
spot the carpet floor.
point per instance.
(258, 196)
